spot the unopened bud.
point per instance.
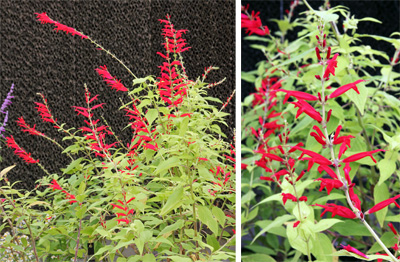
(318, 77)
(318, 53)
(324, 43)
(324, 36)
(329, 115)
(317, 37)
(328, 55)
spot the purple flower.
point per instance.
(7, 101)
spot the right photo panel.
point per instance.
(320, 131)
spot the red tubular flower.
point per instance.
(359, 156)
(332, 64)
(318, 53)
(343, 89)
(298, 95)
(317, 158)
(110, 80)
(44, 19)
(19, 151)
(54, 185)
(301, 175)
(329, 184)
(123, 220)
(337, 210)
(45, 112)
(383, 204)
(328, 55)
(71, 197)
(354, 198)
(308, 109)
(328, 170)
(253, 24)
(353, 250)
(392, 228)
(286, 196)
(26, 128)
(296, 224)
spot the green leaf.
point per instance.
(387, 238)
(207, 218)
(351, 228)
(258, 258)
(381, 192)
(387, 166)
(6, 170)
(184, 126)
(393, 218)
(167, 164)
(174, 201)
(394, 42)
(219, 215)
(294, 59)
(327, 16)
(73, 165)
(277, 222)
(212, 241)
(172, 227)
(80, 211)
(358, 99)
(296, 240)
(248, 77)
(205, 173)
(325, 224)
(151, 115)
(322, 248)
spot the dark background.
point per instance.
(37, 59)
(387, 11)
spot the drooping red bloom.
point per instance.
(343, 140)
(383, 204)
(315, 157)
(298, 95)
(329, 184)
(44, 19)
(337, 210)
(253, 24)
(392, 228)
(19, 151)
(359, 156)
(71, 197)
(319, 136)
(110, 80)
(286, 196)
(305, 107)
(54, 185)
(332, 64)
(328, 170)
(26, 128)
(354, 198)
(353, 250)
(343, 89)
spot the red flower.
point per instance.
(31, 130)
(123, 220)
(358, 156)
(110, 80)
(354, 198)
(19, 151)
(343, 89)
(329, 184)
(70, 196)
(298, 95)
(45, 112)
(253, 24)
(328, 170)
(353, 250)
(392, 228)
(308, 109)
(54, 185)
(296, 224)
(317, 158)
(44, 19)
(337, 210)
(332, 64)
(383, 204)
(287, 196)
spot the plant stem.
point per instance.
(329, 143)
(77, 241)
(33, 241)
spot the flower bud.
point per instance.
(318, 77)
(329, 115)
(317, 37)
(328, 55)
(318, 52)
(324, 43)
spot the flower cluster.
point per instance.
(55, 186)
(252, 22)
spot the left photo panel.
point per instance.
(117, 140)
